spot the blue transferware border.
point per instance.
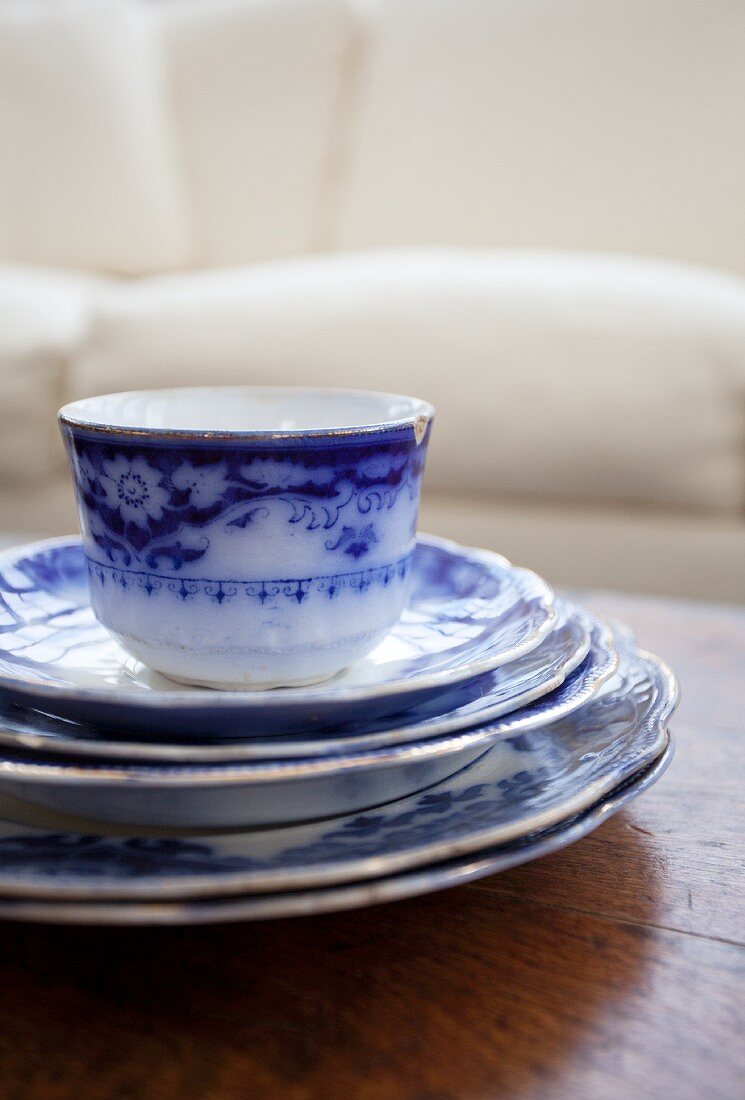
(218, 591)
(151, 503)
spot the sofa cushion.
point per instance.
(88, 174)
(44, 317)
(610, 124)
(565, 376)
(255, 88)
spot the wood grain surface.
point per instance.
(613, 969)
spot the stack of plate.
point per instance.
(495, 723)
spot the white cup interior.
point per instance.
(245, 409)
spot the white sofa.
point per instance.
(532, 214)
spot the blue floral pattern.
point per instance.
(150, 505)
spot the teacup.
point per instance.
(248, 537)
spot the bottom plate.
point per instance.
(297, 903)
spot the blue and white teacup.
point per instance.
(248, 537)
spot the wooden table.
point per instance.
(615, 968)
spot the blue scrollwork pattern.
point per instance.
(150, 506)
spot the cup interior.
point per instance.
(246, 410)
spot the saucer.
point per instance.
(298, 903)
(551, 681)
(469, 612)
(521, 786)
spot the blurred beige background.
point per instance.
(530, 213)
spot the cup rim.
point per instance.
(72, 415)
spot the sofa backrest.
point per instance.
(600, 124)
(89, 172)
(148, 135)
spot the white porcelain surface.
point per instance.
(245, 410)
(283, 795)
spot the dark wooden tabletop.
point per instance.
(613, 969)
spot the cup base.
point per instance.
(270, 685)
(251, 669)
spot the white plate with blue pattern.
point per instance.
(520, 787)
(469, 612)
(330, 899)
(577, 656)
